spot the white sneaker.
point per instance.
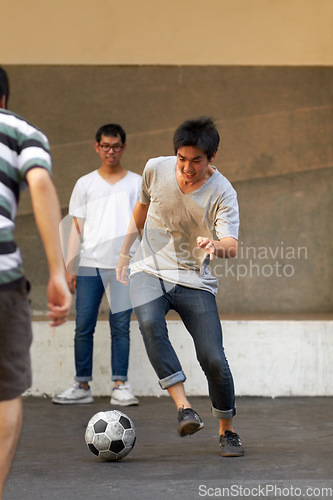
(74, 395)
(123, 396)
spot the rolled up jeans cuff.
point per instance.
(121, 378)
(173, 379)
(225, 414)
(83, 379)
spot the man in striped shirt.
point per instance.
(24, 160)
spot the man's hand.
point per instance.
(59, 300)
(122, 269)
(207, 245)
(71, 281)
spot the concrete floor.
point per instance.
(289, 448)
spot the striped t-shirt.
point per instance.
(22, 147)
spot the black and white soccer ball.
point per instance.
(110, 435)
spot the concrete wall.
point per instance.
(263, 69)
(223, 32)
(267, 358)
(276, 149)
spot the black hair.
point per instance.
(111, 130)
(199, 132)
(4, 84)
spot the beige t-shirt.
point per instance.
(168, 247)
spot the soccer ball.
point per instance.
(110, 435)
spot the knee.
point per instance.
(149, 327)
(153, 331)
(215, 367)
(84, 331)
(148, 319)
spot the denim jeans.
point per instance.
(91, 285)
(152, 298)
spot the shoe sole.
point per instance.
(189, 428)
(72, 401)
(230, 454)
(124, 403)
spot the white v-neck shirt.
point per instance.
(106, 209)
(174, 221)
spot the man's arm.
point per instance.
(46, 208)
(74, 241)
(224, 248)
(135, 227)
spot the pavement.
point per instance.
(288, 441)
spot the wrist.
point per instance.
(124, 256)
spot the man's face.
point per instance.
(192, 164)
(110, 150)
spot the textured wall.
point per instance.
(276, 149)
(222, 32)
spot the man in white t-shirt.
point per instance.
(101, 206)
(187, 214)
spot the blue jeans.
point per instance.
(152, 298)
(91, 285)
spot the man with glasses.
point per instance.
(101, 206)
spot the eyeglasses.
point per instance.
(106, 147)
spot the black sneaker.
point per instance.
(189, 422)
(231, 445)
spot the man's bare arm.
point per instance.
(46, 208)
(73, 250)
(136, 225)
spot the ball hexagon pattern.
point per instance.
(110, 435)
